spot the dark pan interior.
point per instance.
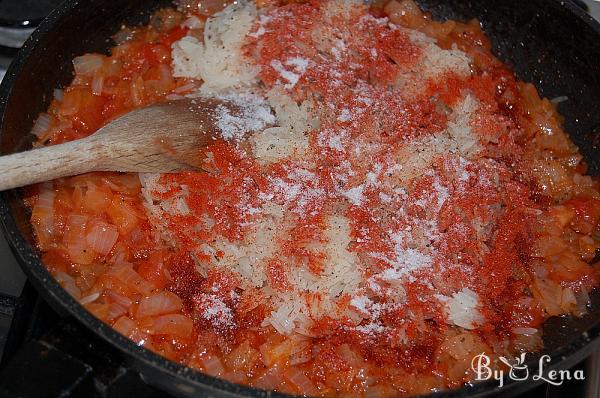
(548, 42)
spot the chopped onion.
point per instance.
(300, 357)
(349, 356)
(525, 331)
(159, 304)
(97, 85)
(235, 377)
(185, 88)
(583, 300)
(119, 299)
(42, 214)
(568, 300)
(270, 380)
(137, 91)
(193, 22)
(41, 125)
(176, 325)
(116, 310)
(75, 240)
(242, 358)
(125, 326)
(174, 97)
(126, 274)
(123, 35)
(123, 183)
(165, 73)
(213, 366)
(59, 94)
(89, 299)
(88, 64)
(550, 295)
(120, 255)
(68, 283)
(167, 275)
(301, 381)
(102, 237)
(76, 221)
(559, 99)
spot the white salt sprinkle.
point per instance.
(361, 303)
(214, 310)
(300, 64)
(345, 116)
(254, 115)
(262, 21)
(371, 329)
(290, 76)
(355, 195)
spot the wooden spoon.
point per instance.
(160, 138)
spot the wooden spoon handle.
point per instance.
(48, 163)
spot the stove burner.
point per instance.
(25, 13)
(46, 355)
(18, 19)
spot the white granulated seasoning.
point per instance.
(291, 77)
(254, 115)
(345, 116)
(355, 195)
(214, 310)
(348, 190)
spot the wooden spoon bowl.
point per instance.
(161, 138)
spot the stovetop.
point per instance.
(42, 354)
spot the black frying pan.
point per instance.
(551, 43)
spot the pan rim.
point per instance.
(48, 287)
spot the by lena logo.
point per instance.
(518, 370)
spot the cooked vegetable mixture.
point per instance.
(403, 204)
